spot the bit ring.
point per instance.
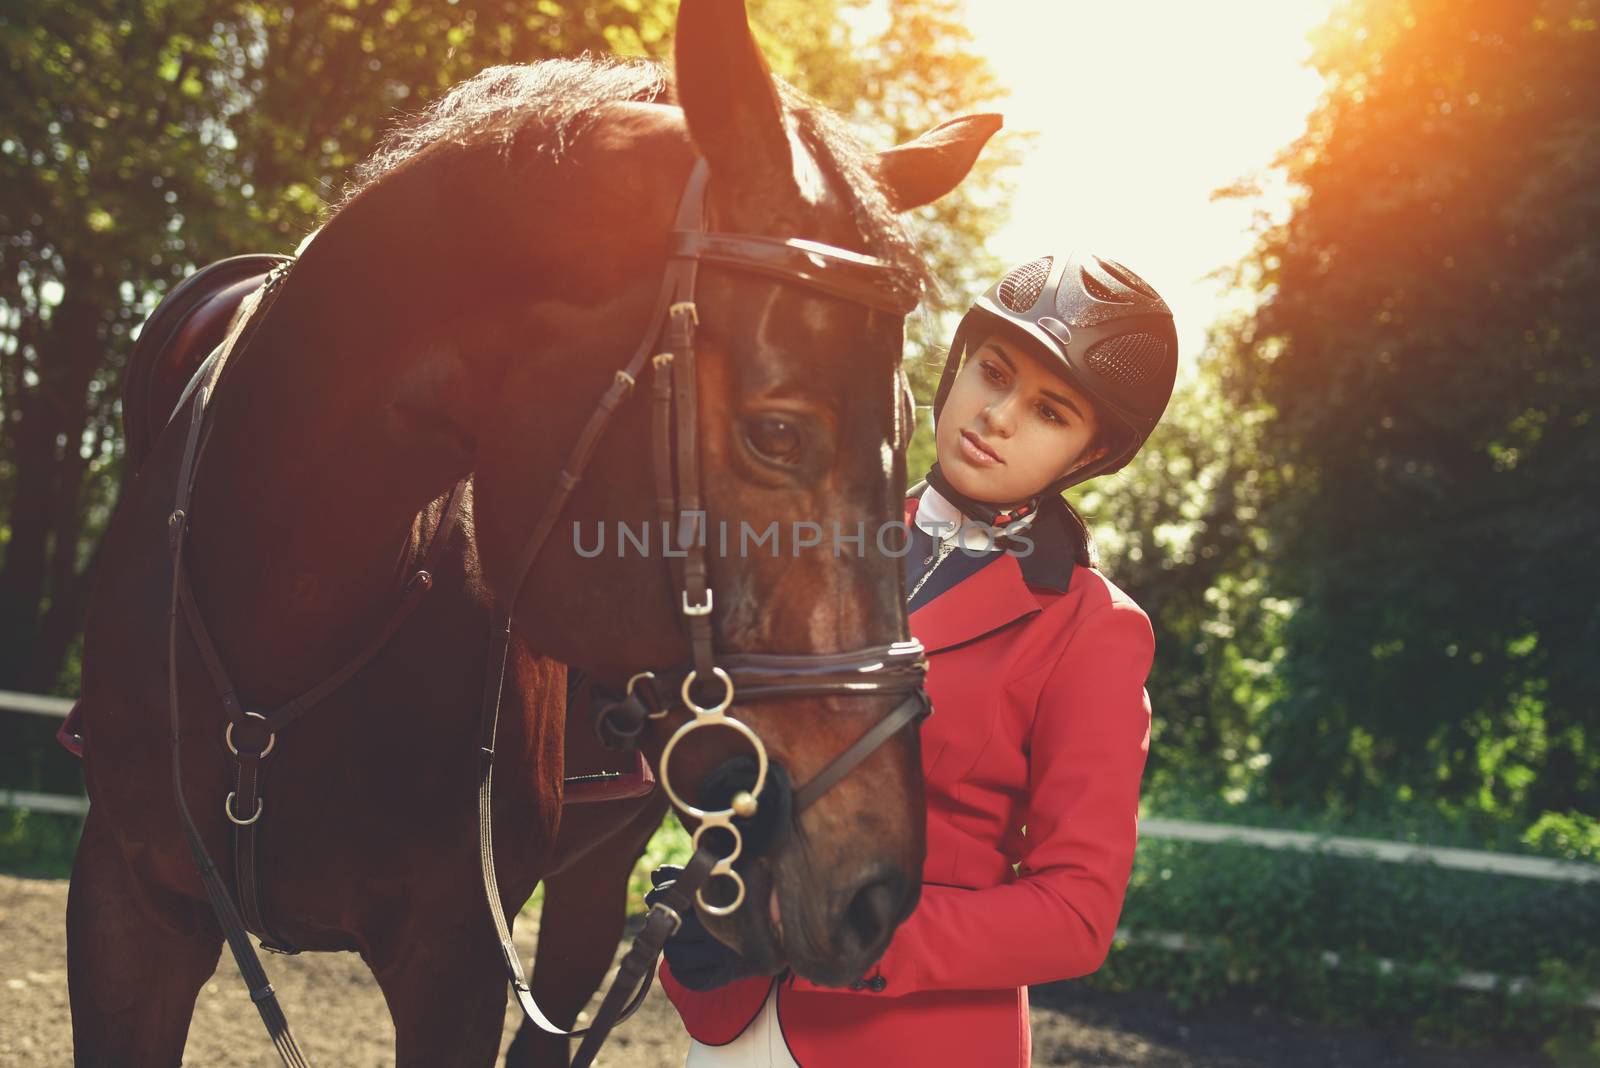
(272, 738)
(717, 720)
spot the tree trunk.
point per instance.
(39, 573)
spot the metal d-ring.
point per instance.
(716, 709)
(272, 740)
(227, 808)
(738, 898)
(634, 681)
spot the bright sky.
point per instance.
(1142, 108)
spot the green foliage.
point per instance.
(1178, 530)
(1425, 349)
(1567, 835)
(37, 843)
(669, 845)
(1260, 921)
(1364, 531)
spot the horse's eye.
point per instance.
(774, 439)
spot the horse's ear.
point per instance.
(926, 168)
(730, 102)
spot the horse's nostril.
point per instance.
(874, 909)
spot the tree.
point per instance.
(1179, 530)
(1426, 351)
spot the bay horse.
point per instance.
(451, 324)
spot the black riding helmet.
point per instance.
(1102, 328)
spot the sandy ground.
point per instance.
(340, 1019)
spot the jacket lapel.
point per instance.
(978, 604)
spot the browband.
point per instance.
(837, 272)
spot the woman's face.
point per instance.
(1010, 427)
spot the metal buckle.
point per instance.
(227, 808)
(677, 918)
(272, 737)
(703, 609)
(688, 306)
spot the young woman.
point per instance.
(1037, 666)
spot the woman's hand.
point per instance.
(697, 960)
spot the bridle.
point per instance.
(668, 344)
(896, 668)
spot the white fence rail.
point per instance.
(1180, 830)
(1375, 849)
(56, 804)
(38, 704)
(59, 804)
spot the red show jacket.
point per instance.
(1041, 721)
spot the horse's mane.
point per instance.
(557, 99)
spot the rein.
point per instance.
(877, 670)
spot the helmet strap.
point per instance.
(984, 512)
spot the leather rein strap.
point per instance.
(896, 668)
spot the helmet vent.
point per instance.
(1128, 278)
(1020, 288)
(1097, 289)
(1128, 359)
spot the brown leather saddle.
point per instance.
(177, 338)
(188, 324)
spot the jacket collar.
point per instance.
(999, 593)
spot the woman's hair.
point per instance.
(1079, 540)
(1112, 436)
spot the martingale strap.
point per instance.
(233, 928)
(250, 734)
(677, 283)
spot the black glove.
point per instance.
(697, 960)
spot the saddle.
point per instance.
(188, 324)
(183, 330)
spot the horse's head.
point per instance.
(561, 229)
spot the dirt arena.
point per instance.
(340, 1019)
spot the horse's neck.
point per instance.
(304, 515)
